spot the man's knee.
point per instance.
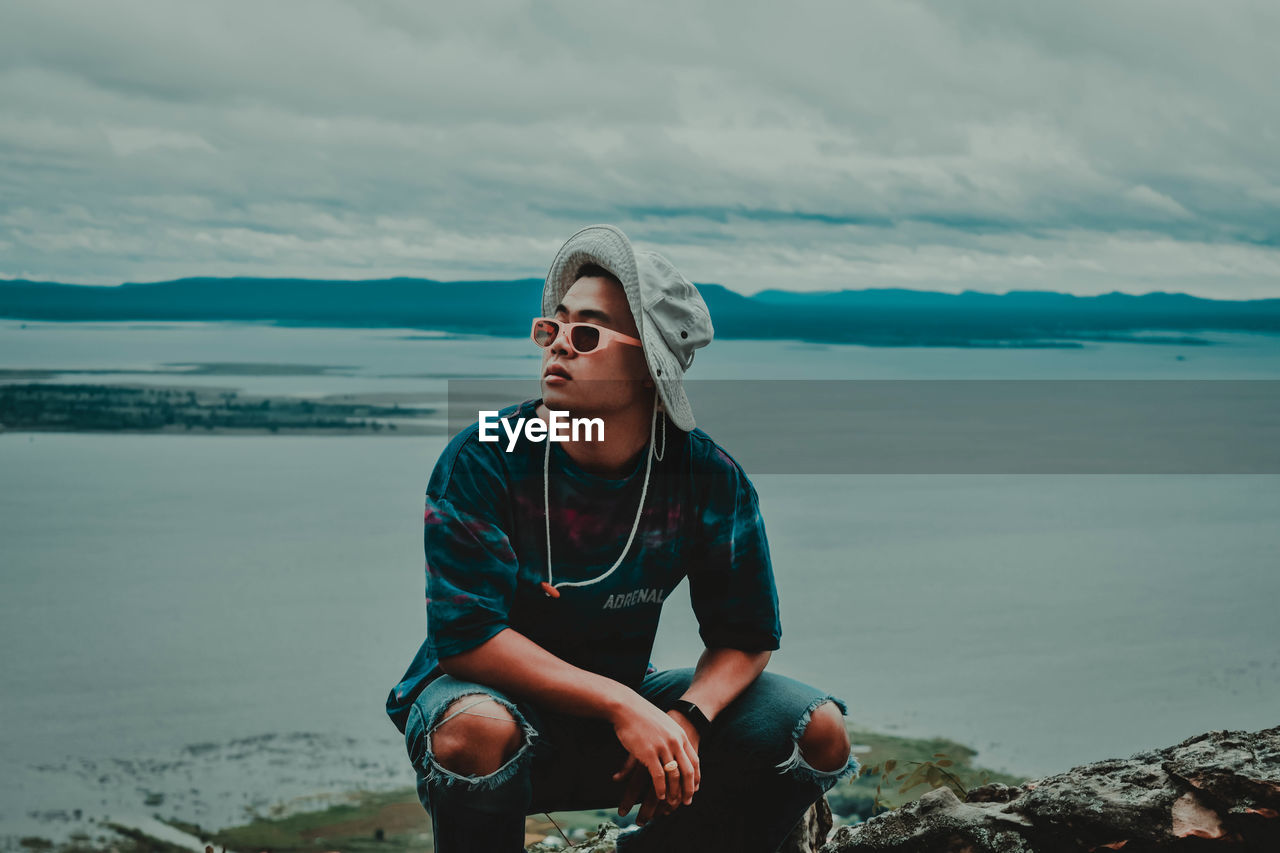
(825, 741)
(477, 741)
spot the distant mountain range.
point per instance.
(878, 317)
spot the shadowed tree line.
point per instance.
(54, 407)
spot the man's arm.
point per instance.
(721, 675)
(513, 663)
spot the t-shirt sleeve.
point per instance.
(471, 568)
(731, 584)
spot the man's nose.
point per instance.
(557, 346)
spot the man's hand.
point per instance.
(666, 800)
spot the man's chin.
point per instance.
(559, 399)
(582, 398)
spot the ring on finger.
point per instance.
(671, 766)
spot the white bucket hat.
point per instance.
(670, 314)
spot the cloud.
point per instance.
(126, 141)
(1086, 147)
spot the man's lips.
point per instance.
(556, 370)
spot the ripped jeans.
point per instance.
(756, 784)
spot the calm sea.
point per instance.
(206, 626)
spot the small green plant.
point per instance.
(931, 773)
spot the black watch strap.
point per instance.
(694, 715)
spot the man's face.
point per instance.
(604, 380)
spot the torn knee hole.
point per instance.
(477, 736)
(827, 732)
(824, 743)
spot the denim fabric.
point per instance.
(755, 788)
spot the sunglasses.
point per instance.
(582, 337)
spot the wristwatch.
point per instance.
(694, 714)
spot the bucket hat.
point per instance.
(670, 314)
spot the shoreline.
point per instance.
(213, 410)
(392, 819)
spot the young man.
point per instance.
(546, 567)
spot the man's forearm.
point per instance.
(516, 665)
(721, 675)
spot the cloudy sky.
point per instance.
(1084, 146)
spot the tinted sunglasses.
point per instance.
(582, 337)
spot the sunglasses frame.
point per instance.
(607, 335)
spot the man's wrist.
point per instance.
(706, 704)
(695, 715)
(683, 722)
(617, 699)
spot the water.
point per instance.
(217, 619)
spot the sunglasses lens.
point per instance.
(585, 338)
(544, 332)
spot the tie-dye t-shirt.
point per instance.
(484, 535)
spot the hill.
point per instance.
(874, 317)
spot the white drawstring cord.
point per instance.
(551, 588)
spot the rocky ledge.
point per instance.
(1221, 786)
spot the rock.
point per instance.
(1219, 786)
(812, 830)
